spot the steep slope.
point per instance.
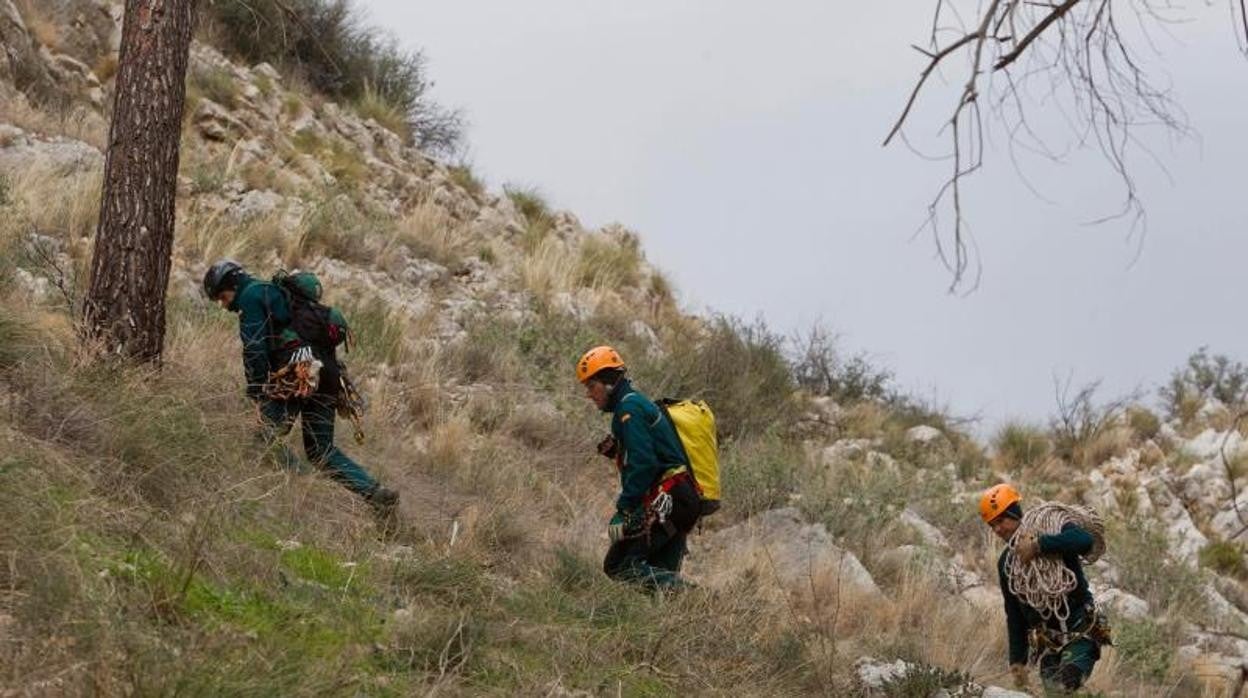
(152, 548)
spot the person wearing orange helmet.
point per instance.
(1067, 654)
(658, 503)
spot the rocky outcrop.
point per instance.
(781, 544)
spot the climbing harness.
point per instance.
(1045, 640)
(299, 378)
(1045, 582)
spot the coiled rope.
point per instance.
(1045, 582)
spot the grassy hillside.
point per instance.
(151, 547)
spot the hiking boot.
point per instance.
(383, 501)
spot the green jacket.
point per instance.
(263, 314)
(648, 444)
(1072, 542)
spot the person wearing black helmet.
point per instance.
(263, 315)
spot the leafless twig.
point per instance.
(1077, 52)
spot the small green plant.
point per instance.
(1145, 648)
(374, 105)
(464, 178)
(1225, 557)
(5, 196)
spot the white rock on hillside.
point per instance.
(780, 542)
(1121, 604)
(924, 434)
(21, 152)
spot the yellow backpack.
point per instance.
(695, 425)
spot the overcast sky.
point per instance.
(742, 141)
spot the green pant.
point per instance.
(653, 560)
(317, 415)
(1065, 671)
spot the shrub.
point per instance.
(739, 368)
(1145, 648)
(760, 474)
(1204, 376)
(529, 202)
(1081, 429)
(1019, 445)
(1141, 553)
(326, 43)
(606, 263)
(463, 177)
(821, 369)
(1225, 557)
(924, 680)
(1144, 423)
(373, 105)
(217, 84)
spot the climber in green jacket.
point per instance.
(658, 502)
(1066, 655)
(264, 328)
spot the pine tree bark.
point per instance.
(124, 312)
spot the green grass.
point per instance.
(373, 105)
(1019, 445)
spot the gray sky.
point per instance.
(742, 141)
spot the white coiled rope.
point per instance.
(1045, 582)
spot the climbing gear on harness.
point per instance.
(996, 500)
(351, 405)
(695, 425)
(1045, 582)
(595, 360)
(299, 378)
(659, 503)
(1045, 640)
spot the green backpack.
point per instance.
(311, 321)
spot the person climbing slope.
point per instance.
(658, 503)
(1051, 617)
(274, 357)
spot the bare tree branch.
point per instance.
(1077, 52)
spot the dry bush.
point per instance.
(430, 232)
(549, 269)
(1020, 445)
(607, 263)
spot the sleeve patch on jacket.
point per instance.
(626, 417)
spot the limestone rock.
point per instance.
(1121, 604)
(780, 542)
(22, 152)
(924, 435)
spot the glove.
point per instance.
(607, 447)
(615, 528)
(1027, 549)
(1020, 675)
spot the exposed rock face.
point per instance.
(24, 152)
(781, 543)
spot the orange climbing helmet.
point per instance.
(595, 360)
(996, 500)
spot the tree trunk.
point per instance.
(125, 306)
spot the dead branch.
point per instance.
(1078, 52)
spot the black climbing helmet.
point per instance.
(220, 277)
